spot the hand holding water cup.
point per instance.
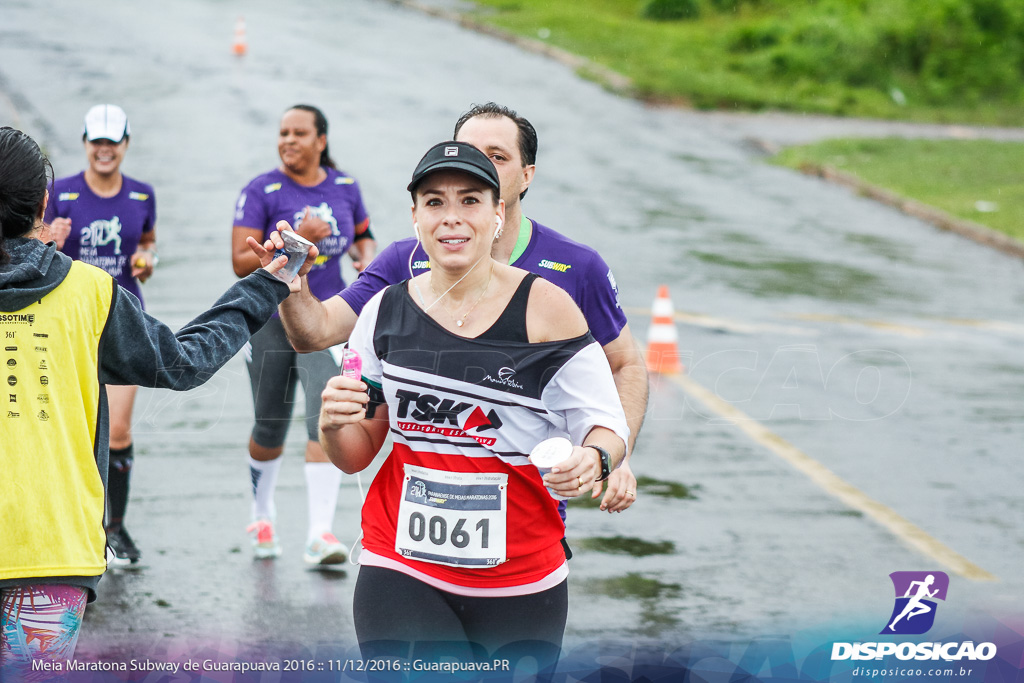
(286, 255)
(549, 453)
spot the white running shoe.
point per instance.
(325, 550)
(264, 540)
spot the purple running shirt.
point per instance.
(574, 267)
(274, 197)
(105, 231)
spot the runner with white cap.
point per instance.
(105, 218)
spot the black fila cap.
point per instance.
(456, 156)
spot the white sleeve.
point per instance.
(583, 393)
(361, 339)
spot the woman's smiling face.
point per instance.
(105, 156)
(298, 144)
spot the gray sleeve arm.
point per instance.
(136, 348)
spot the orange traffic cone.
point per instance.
(239, 46)
(662, 340)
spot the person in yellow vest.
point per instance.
(68, 329)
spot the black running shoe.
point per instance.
(121, 549)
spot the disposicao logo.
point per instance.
(914, 614)
(916, 593)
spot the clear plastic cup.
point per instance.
(549, 453)
(296, 247)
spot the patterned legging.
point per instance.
(39, 622)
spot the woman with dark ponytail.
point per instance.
(69, 329)
(323, 205)
(24, 173)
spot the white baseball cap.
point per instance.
(106, 122)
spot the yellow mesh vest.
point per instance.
(51, 495)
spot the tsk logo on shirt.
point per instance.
(431, 414)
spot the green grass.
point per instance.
(945, 60)
(952, 175)
(627, 545)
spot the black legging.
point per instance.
(398, 616)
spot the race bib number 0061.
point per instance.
(453, 518)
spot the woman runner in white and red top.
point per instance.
(468, 367)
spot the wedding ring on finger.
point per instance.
(580, 482)
(630, 493)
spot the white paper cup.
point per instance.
(549, 453)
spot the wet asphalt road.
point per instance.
(881, 348)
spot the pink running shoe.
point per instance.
(264, 540)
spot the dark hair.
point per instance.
(320, 122)
(24, 174)
(527, 133)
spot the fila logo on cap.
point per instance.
(451, 151)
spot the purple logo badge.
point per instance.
(916, 593)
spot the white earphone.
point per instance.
(416, 229)
(497, 228)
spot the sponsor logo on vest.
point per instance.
(553, 265)
(432, 412)
(41, 349)
(9, 335)
(10, 348)
(44, 380)
(505, 377)
(40, 334)
(344, 181)
(138, 196)
(43, 416)
(14, 398)
(29, 318)
(42, 365)
(67, 196)
(12, 380)
(421, 265)
(11, 413)
(11, 362)
(273, 187)
(43, 398)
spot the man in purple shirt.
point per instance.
(510, 141)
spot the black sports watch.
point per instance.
(606, 461)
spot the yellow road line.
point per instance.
(701, 320)
(885, 326)
(905, 530)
